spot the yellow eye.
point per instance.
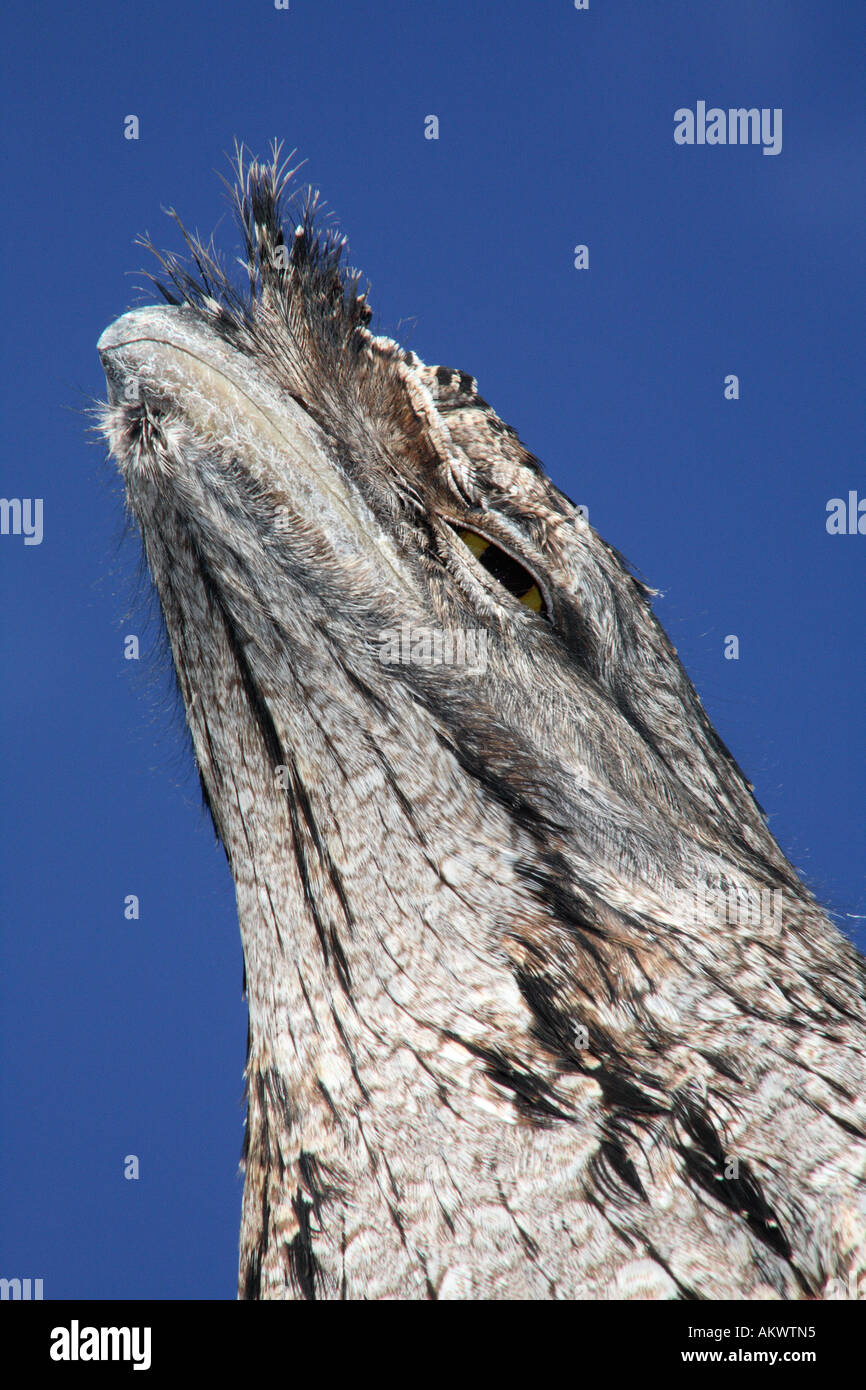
(511, 575)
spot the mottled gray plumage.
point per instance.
(503, 1043)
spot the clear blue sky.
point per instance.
(556, 128)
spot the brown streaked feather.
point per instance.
(503, 1043)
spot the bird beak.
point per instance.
(169, 358)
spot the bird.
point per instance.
(538, 1008)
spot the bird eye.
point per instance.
(507, 571)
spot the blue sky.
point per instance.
(556, 129)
